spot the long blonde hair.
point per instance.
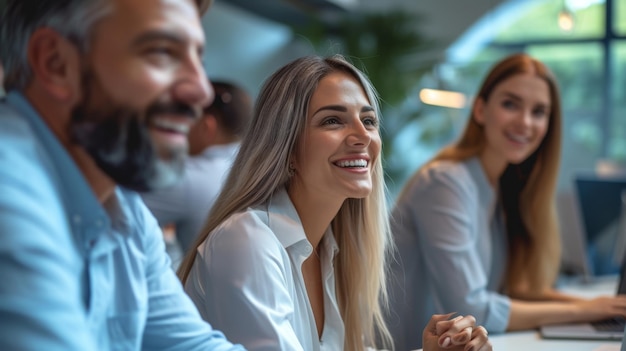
(361, 226)
(527, 190)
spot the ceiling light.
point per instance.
(566, 20)
(443, 98)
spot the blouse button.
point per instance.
(308, 249)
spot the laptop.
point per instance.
(610, 329)
(601, 206)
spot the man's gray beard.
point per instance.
(118, 139)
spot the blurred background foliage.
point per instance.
(384, 46)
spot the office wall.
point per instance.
(245, 48)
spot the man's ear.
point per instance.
(55, 64)
(478, 111)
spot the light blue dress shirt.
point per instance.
(247, 281)
(78, 275)
(452, 251)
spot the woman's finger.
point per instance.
(480, 340)
(434, 326)
(456, 325)
(457, 331)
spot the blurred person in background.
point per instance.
(476, 227)
(213, 144)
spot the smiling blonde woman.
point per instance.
(293, 254)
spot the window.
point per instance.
(616, 149)
(619, 17)
(588, 61)
(540, 21)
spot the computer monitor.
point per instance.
(600, 201)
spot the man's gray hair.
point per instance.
(73, 19)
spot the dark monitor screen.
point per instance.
(600, 202)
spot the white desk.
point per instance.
(532, 341)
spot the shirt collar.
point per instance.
(284, 220)
(285, 223)
(223, 150)
(330, 244)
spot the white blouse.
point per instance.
(247, 281)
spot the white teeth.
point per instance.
(173, 126)
(352, 163)
(518, 138)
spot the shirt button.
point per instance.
(76, 219)
(98, 223)
(308, 249)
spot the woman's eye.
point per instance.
(370, 121)
(330, 121)
(509, 104)
(540, 113)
